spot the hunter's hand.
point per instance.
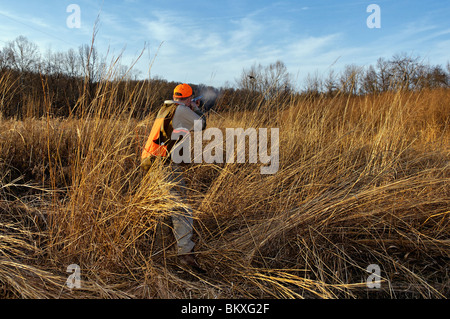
(195, 105)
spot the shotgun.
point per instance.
(197, 98)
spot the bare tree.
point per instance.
(52, 63)
(349, 79)
(313, 83)
(270, 80)
(22, 55)
(405, 70)
(90, 62)
(330, 84)
(383, 74)
(251, 79)
(3, 60)
(369, 81)
(434, 77)
(276, 79)
(72, 64)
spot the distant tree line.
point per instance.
(401, 72)
(273, 84)
(33, 84)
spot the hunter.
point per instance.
(177, 115)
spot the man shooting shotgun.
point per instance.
(176, 116)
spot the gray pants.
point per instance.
(182, 219)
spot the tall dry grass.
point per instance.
(362, 180)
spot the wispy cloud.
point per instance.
(188, 43)
(312, 46)
(244, 35)
(227, 51)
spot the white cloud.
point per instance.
(312, 46)
(245, 34)
(40, 23)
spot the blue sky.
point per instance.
(210, 42)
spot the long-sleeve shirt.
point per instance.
(184, 117)
(183, 121)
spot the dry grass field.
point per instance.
(362, 180)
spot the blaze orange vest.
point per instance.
(159, 142)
